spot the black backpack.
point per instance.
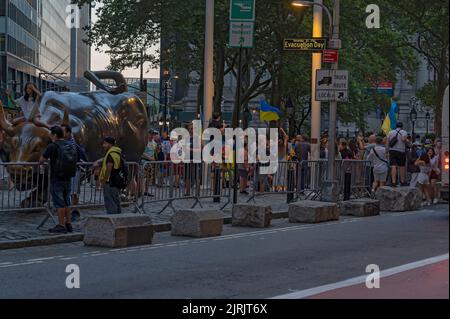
(66, 160)
(119, 178)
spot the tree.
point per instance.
(424, 27)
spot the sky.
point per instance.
(101, 60)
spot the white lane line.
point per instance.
(69, 258)
(361, 279)
(6, 263)
(101, 254)
(45, 258)
(22, 264)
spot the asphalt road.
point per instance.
(243, 263)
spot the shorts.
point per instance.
(75, 183)
(243, 173)
(397, 158)
(60, 192)
(380, 177)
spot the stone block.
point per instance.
(399, 199)
(122, 230)
(308, 211)
(197, 223)
(362, 207)
(251, 215)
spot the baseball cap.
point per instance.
(110, 140)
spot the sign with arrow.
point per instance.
(241, 34)
(332, 85)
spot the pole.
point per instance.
(236, 122)
(73, 59)
(316, 65)
(166, 98)
(413, 131)
(142, 71)
(331, 185)
(209, 64)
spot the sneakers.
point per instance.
(435, 201)
(58, 229)
(69, 228)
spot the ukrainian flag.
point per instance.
(268, 113)
(390, 122)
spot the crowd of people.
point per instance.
(396, 160)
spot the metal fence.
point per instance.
(25, 186)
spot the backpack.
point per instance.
(119, 178)
(394, 141)
(66, 160)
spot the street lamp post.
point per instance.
(330, 186)
(427, 117)
(413, 116)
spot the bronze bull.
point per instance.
(93, 116)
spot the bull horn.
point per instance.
(66, 120)
(4, 123)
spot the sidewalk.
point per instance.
(16, 226)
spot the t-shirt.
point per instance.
(400, 146)
(51, 153)
(379, 163)
(302, 150)
(29, 108)
(346, 154)
(149, 150)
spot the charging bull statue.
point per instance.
(93, 116)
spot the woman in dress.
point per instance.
(423, 179)
(29, 106)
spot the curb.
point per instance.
(77, 237)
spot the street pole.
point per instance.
(142, 71)
(166, 98)
(236, 120)
(209, 64)
(73, 59)
(316, 65)
(331, 192)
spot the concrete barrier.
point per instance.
(399, 199)
(122, 230)
(362, 207)
(197, 223)
(312, 212)
(251, 215)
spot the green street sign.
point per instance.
(242, 10)
(314, 44)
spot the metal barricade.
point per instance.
(360, 176)
(282, 182)
(310, 178)
(168, 182)
(24, 187)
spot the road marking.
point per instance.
(101, 254)
(69, 258)
(6, 263)
(361, 279)
(46, 258)
(22, 264)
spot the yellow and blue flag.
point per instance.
(268, 113)
(390, 122)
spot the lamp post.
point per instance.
(167, 80)
(427, 118)
(413, 116)
(330, 186)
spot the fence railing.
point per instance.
(25, 186)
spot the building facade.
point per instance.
(35, 45)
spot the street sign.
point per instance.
(335, 44)
(242, 10)
(313, 44)
(330, 56)
(332, 85)
(241, 34)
